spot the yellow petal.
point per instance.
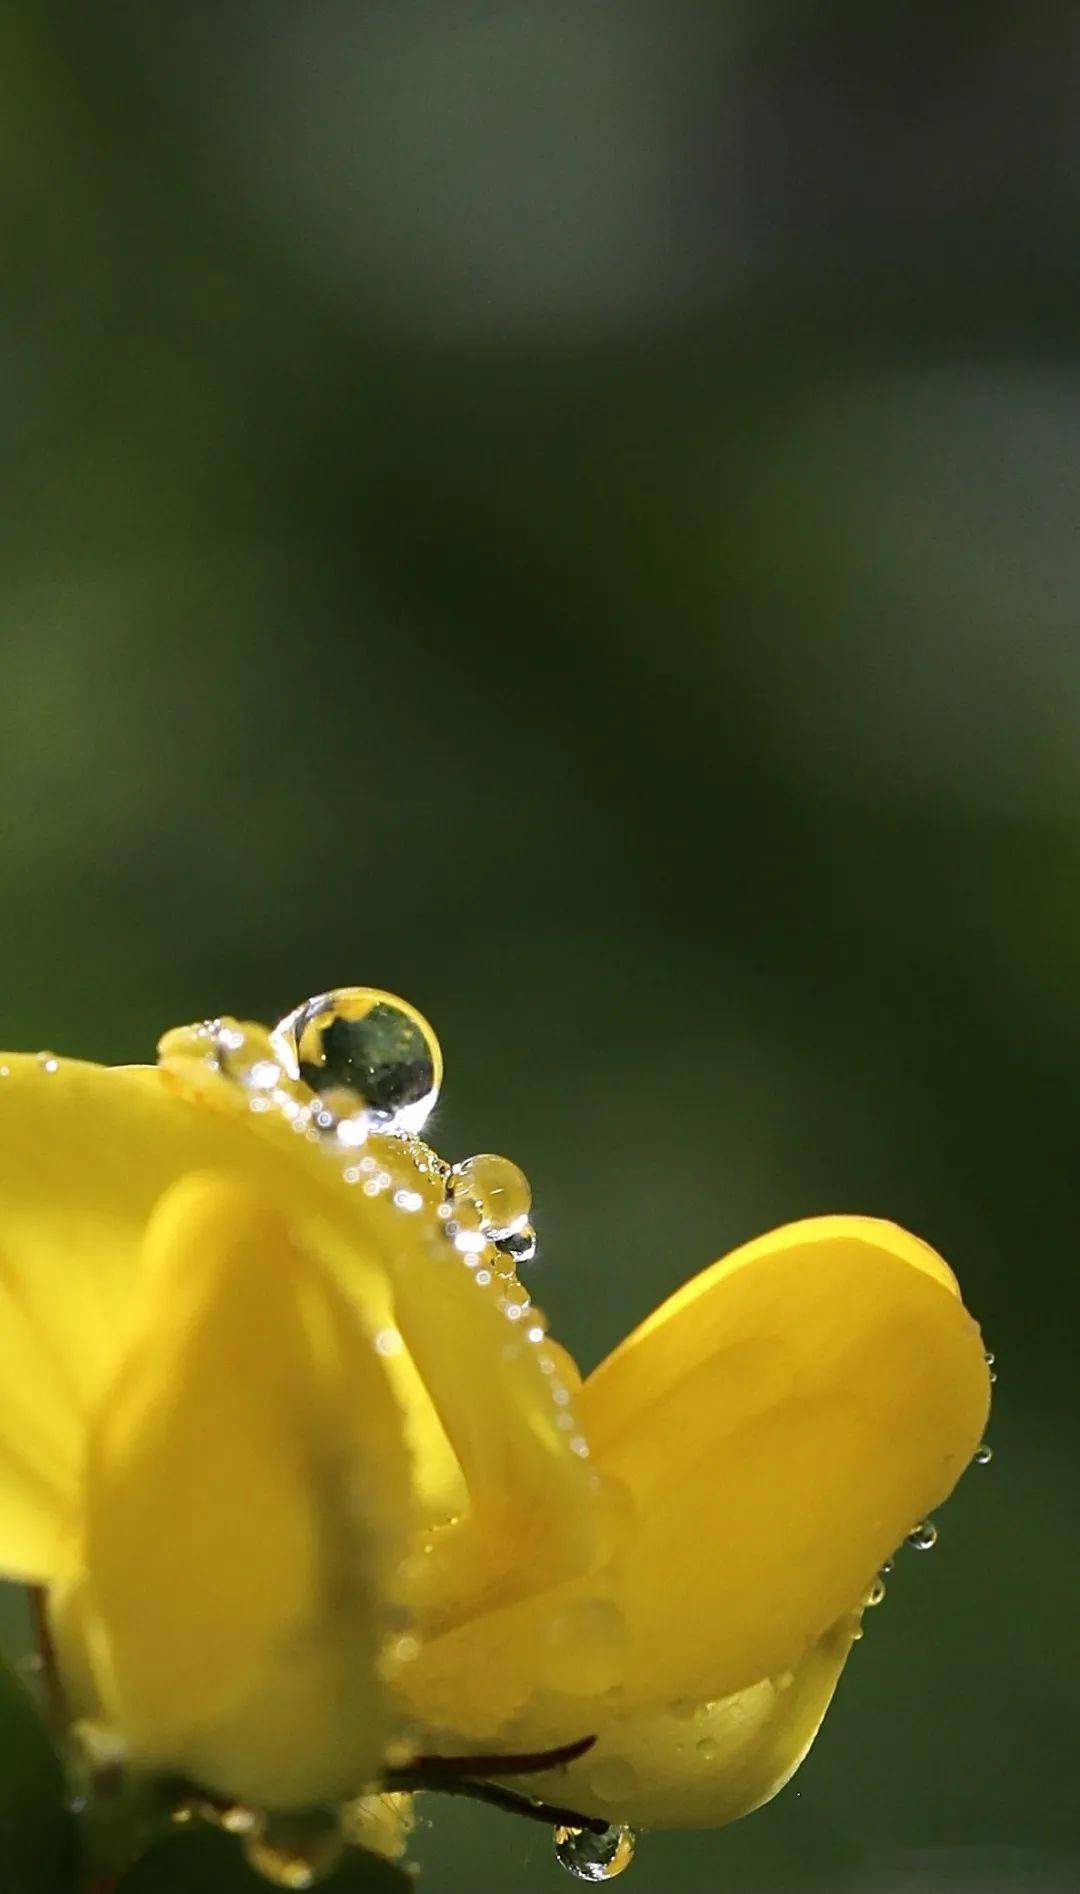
(781, 1423)
(86, 1152)
(702, 1765)
(245, 1508)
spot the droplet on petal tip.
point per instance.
(374, 1045)
(923, 1536)
(592, 1857)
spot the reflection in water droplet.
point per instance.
(983, 1455)
(491, 1193)
(923, 1536)
(375, 1045)
(521, 1246)
(594, 1857)
(294, 1851)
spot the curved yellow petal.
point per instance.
(246, 1507)
(705, 1764)
(86, 1152)
(781, 1423)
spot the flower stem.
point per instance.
(456, 1775)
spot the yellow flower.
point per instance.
(313, 1493)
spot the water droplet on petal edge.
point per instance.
(373, 1045)
(923, 1536)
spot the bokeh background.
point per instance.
(570, 512)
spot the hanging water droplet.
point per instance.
(377, 1046)
(594, 1857)
(876, 1593)
(294, 1851)
(923, 1536)
(983, 1455)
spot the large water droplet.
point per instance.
(923, 1536)
(376, 1046)
(594, 1857)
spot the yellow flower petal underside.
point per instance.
(246, 1507)
(701, 1766)
(781, 1423)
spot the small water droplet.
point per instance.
(886, 1568)
(594, 1857)
(992, 1376)
(48, 1061)
(983, 1455)
(989, 1357)
(492, 1194)
(876, 1593)
(706, 1749)
(521, 1246)
(294, 1851)
(922, 1536)
(375, 1045)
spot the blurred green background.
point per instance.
(570, 512)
